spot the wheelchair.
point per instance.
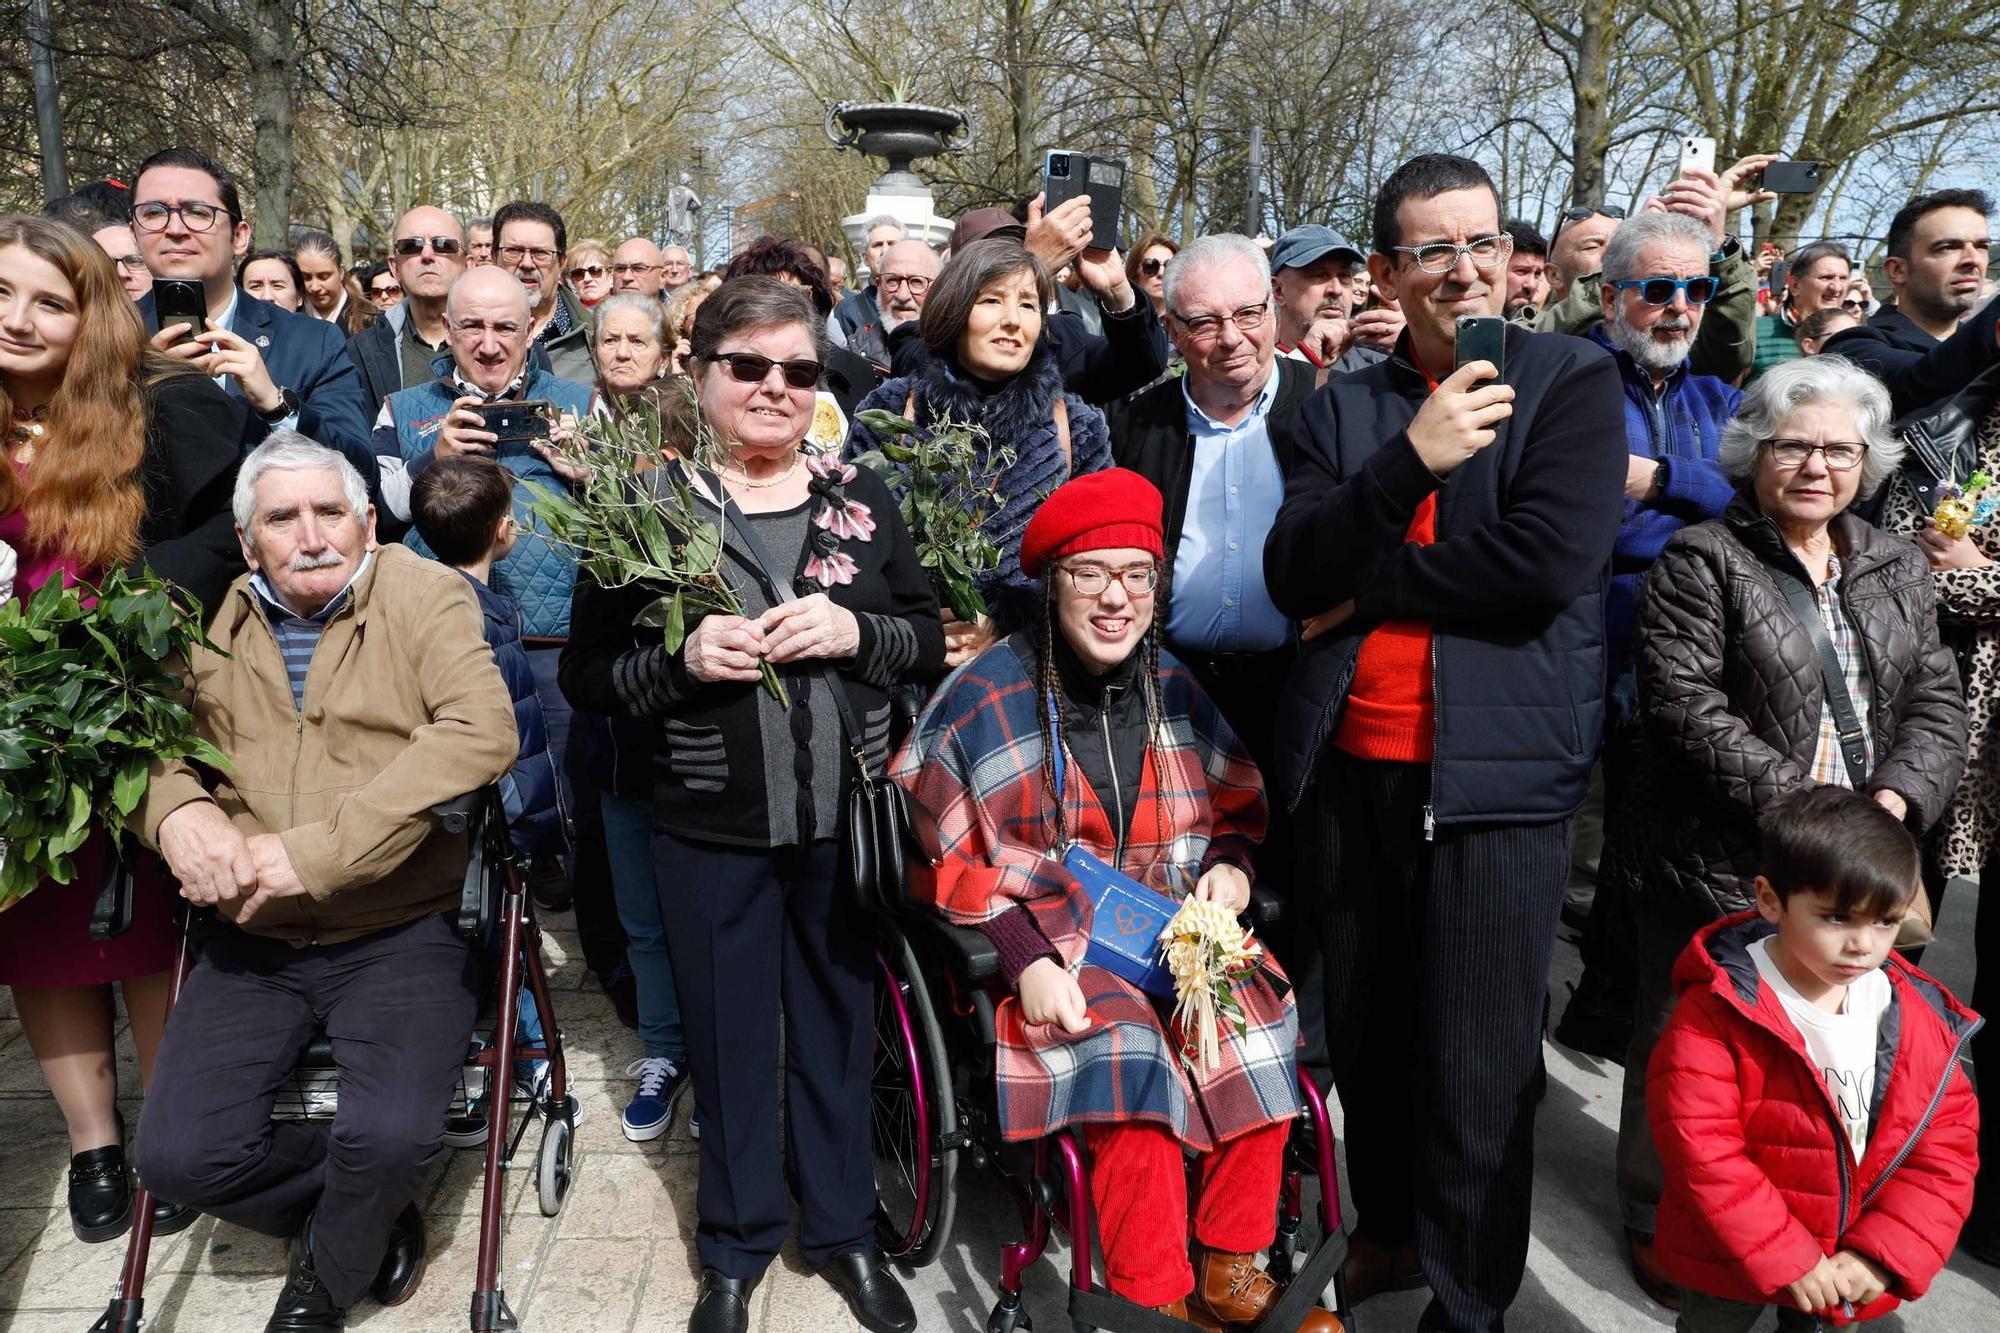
(934, 1110)
(493, 904)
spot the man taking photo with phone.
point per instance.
(1444, 539)
(187, 217)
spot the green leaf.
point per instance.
(129, 785)
(674, 632)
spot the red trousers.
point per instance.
(1138, 1184)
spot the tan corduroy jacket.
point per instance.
(404, 709)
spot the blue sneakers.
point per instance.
(651, 1109)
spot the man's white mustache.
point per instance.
(325, 560)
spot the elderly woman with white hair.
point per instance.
(1785, 644)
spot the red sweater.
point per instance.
(1391, 712)
(1757, 1168)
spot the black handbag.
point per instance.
(882, 828)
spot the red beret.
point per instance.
(1113, 508)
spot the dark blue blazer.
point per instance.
(309, 357)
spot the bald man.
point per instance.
(638, 266)
(905, 272)
(427, 254)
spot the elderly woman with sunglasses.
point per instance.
(748, 800)
(1758, 633)
(589, 271)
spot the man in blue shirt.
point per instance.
(1216, 441)
(293, 370)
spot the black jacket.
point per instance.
(1916, 379)
(1129, 355)
(1899, 330)
(1730, 689)
(193, 446)
(1512, 589)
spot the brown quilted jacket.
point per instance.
(1729, 686)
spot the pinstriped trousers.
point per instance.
(1437, 964)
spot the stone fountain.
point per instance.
(899, 133)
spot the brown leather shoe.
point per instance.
(1231, 1292)
(1372, 1268)
(1177, 1310)
(1646, 1270)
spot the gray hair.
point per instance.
(1208, 252)
(649, 306)
(1621, 252)
(1783, 389)
(289, 451)
(884, 220)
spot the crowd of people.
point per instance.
(1670, 615)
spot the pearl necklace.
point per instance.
(743, 479)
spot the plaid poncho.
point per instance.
(975, 762)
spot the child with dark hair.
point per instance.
(1818, 1132)
(464, 509)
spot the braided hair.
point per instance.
(1048, 686)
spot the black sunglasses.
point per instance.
(751, 368)
(409, 247)
(1151, 266)
(1583, 212)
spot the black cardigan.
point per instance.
(194, 431)
(611, 666)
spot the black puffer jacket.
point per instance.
(1729, 685)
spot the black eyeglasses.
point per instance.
(1660, 291)
(1841, 455)
(1092, 580)
(195, 216)
(409, 247)
(1584, 212)
(751, 368)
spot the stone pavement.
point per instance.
(620, 1257)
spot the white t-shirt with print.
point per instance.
(1842, 1045)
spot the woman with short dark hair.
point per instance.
(748, 799)
(987, 365)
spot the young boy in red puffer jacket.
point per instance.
(1818, 1132)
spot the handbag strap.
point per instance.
(1853, 738)
(778, 584)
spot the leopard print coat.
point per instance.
(1968, 609)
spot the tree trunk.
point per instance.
(1023, 97)
(1591, 135)
(273, 64)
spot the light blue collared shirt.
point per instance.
(1219, 602)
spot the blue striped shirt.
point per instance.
(297, 635)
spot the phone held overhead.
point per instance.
(1067, 174)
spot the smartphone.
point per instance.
(517, 423)
(1067, 174)
(1792, 177)
(181, 301)
(1483, 338)
(1696, 151)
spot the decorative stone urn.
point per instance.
(899, 133)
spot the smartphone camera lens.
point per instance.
(1059, 167)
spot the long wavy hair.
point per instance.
(83, 496)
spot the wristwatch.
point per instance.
(288, 405)
(1660, 477)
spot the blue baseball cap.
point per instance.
(1303, 245)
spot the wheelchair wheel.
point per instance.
(914, 1118)
(554, 1166)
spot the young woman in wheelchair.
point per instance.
(1154, 784)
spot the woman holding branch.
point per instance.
(761, 711)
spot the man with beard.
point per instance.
(1320, 282)
(903, 277)
(1656, 285)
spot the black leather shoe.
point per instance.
(723, 1306)
(100, 1194)
(171, 1219)
(305, 1305)
(872, 1293)
(403, 1264)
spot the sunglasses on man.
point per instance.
(409, 247)
(1699, 290)
(1583, 213)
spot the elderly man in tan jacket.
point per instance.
(354, 692)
